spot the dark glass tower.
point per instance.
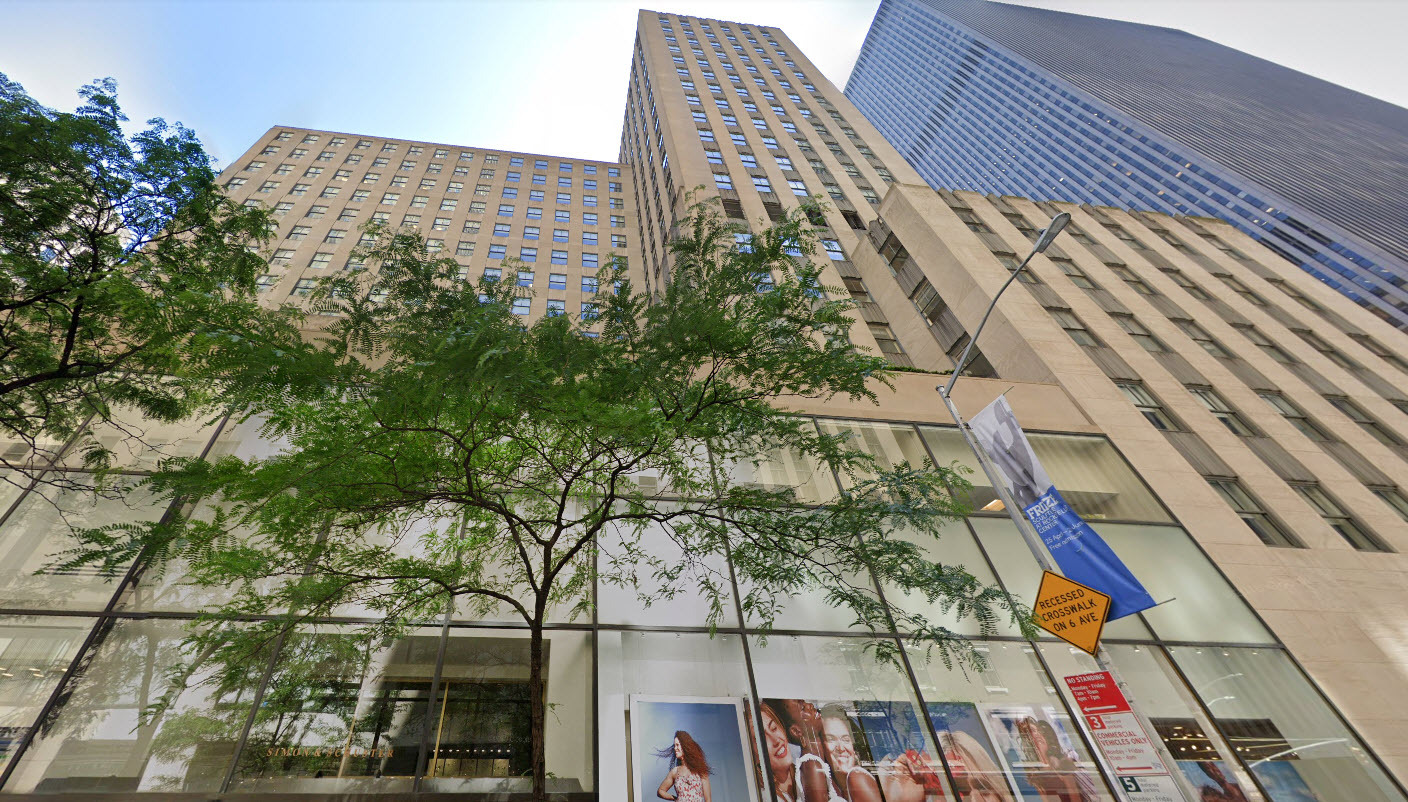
(1055, 106)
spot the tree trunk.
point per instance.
(538, 705)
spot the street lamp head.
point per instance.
(1049, 233)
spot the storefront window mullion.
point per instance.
(424, 755)
(752, 679)
(255, 701)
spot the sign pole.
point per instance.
(1043, 559)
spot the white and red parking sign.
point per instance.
(1127, 748)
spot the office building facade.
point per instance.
(1231, 427)
(1006, 99)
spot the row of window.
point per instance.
(1261, 522)
(452, 187)
(419, 150)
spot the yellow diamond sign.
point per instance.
(1071, 611)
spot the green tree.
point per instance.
(453, 455)
(125, 273)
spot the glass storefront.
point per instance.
(99, 692)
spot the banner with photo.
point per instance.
(691, 747)
(823, 750)
(1081, 553)
(977, 770)
(1042, 756)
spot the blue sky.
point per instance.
(545, 76)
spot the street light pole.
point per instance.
(1019, 518)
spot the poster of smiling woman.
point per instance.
(822, 750)
(690, 749)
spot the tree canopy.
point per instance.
(127, 277)
(451, 454)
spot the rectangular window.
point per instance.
(589, 200)
(1141, 335)
(1250, 511)
(1367, 423)
(1148, 405)
(761, 184)
(1339, 520)
(1127, 276)
(1200, 336)
(1186, 283)
(618, 221)
(1295, 415)
(588, 237)
(534, 213)
(390, 198)
(560, 235)
(1073, 326)
(1265, 344)
(559, 258)
(564, 199)
(493, 273)
(618, 240)
(557, 281)
(1222, 410)
(525, 277)
(465, 248)
(498, 251)
(589, 311)
(506, 210)
(556, 307)
(1320, 344)
(304, 286)
(476, 207)
(589, 260)
(1394, 499)
(562, 216)
(723, 181)
(471, 226)
(522, 306)
(501, 229)
(536, 195)
(530, 232)
(509, 192)
(440, 224)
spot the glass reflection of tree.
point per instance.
(335, 707)
(483, 716)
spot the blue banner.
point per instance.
(1084, 556)
(1079, 551)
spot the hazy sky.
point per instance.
(545, 76)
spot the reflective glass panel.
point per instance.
(1282, 728)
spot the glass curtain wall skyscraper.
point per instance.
(999, 98)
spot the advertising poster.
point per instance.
(822, 750)
(681, 744)
(969, 751)
(1212, 780)
(1283, 782)
(1039, 751)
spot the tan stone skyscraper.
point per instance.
(738, 112)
